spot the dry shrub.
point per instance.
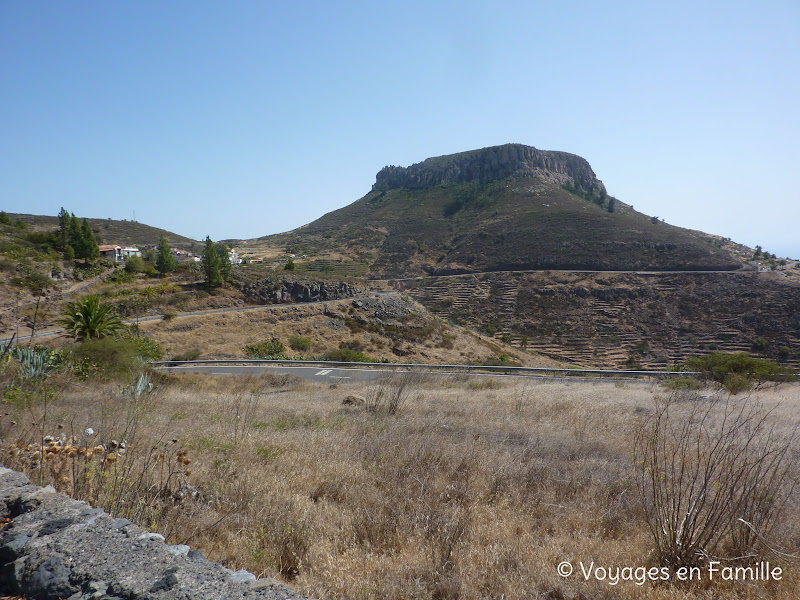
(109, 464)
(389, 394)
(330, 490)
(377, 523)
(282, 540)
(462, 496)
(238, 410)
(713, 476)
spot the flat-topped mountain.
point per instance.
(490, 164)
(509, 207)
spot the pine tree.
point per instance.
(63, 228)
(75, 236)
(165, 262)
(211, 265)
(224, 262)
(91, 250)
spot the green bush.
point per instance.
(86, 270)
(738, 372)
(682, 383)
(134, 264)
(760, 345)
(192, 354)
(346, 355)
(147, 348)
(270, 349)
(299, 343)
(120, 276)
(108, 358)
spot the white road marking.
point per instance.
(324, 372)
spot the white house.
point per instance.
(111, 252)
(131, 251)
(234, 257)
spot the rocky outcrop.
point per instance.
(54, 547)
(272, 291)
(385, 310)
(490, 164)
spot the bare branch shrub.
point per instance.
(702, 468)
(238, 409)
(111, 467)
(389, 393)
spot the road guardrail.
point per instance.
(506, 370)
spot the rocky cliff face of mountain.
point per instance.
(493, 163)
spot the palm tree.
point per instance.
(87, 318)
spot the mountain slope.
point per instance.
(112, 231)
(508, 207)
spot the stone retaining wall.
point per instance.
(53, 547)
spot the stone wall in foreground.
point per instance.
(54, 547)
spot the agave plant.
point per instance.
(141, 387)
(87, 318)
(35, 363)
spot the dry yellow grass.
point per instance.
(469, 491)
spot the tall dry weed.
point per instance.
(714, 476)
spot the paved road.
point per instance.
(213, 311)
(739, 270)
(331, 375)
(356, 374)
(50, 332)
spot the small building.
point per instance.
(131, 251)
(111, 252)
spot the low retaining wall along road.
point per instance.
(53, 547)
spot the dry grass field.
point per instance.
(423, 487)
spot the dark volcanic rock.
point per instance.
(55, 547)
(270, 291)
(490, 164)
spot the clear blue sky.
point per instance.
(240, 119)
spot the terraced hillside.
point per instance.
(624, 319)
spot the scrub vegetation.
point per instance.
(421, 486)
